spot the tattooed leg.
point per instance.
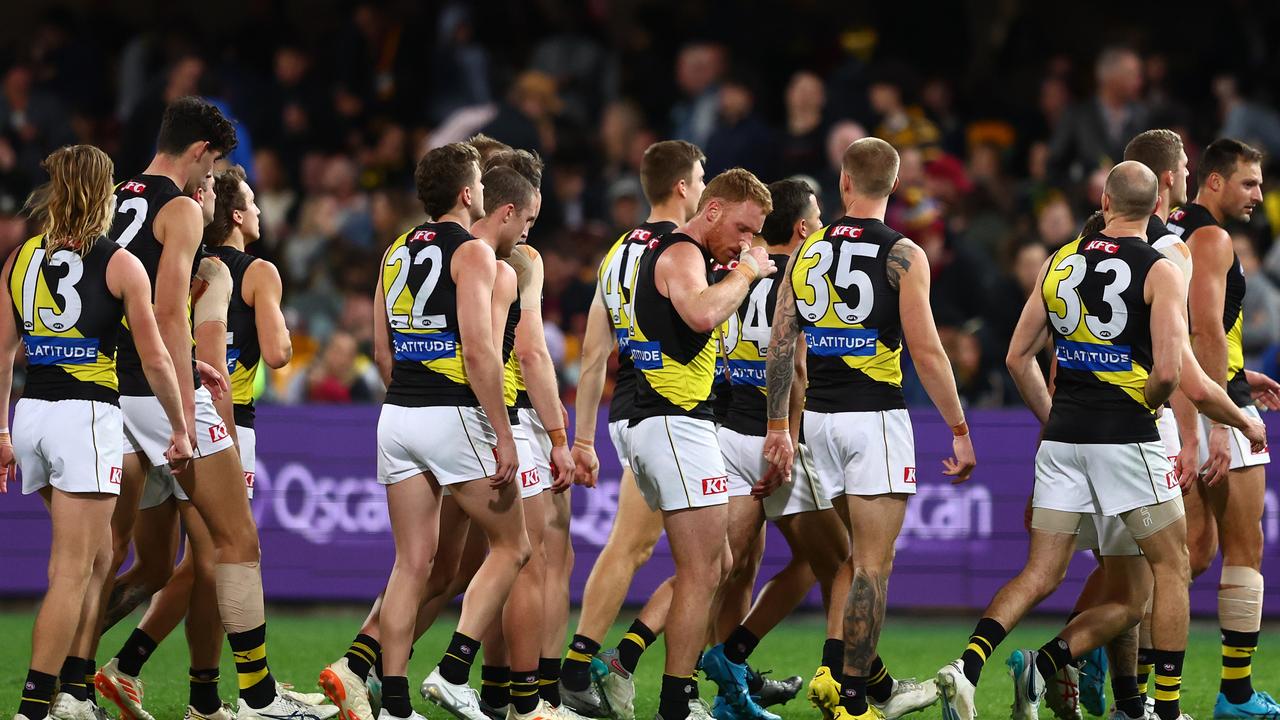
(876, 521)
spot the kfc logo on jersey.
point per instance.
(641, 235)
(1177, 214)
(652, 244)
(715, 485)
(134, 186)
(114, 476)
(848, 231)
(909, 475)
(218, 432)
(1106, 247)
(423, 236)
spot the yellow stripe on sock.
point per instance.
(364, 650)
(494, 683)
(455, 657)
(547, 681)
(576, 656)
(978, 649)
(1237, 673)
(34, 700)
(636, 639)
(248, 680)
(1167, 695)
(1238, 652)
(879, 676)
(257, 653)
(523, 693)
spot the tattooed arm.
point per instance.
(780, 368)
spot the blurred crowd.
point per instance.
(1005, 141)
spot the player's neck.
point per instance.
(1119, 228)
(1162, 206)
(235, 240)
(1210, 205)
(486, 228)
(171, 167)
(456, 215)
(861, 207)
(670, 211)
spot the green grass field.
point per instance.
(301, 642)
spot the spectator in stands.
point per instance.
(802, 147)
(741, 138)
(1261, 325)
(1094, 132)
(901, 123)
(32, 124)
(341, 374)
(699, 68)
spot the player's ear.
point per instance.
(894, 189)
(237, 216)
(465, 195)
(682, 188)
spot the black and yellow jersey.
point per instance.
(512, 380)
(721, 388)
(1101, 329)
(138, 202)
(68, 319)
(1184, 221)
(746, 343)
(244, 355)
(674, 363)
(422, 309)
(849, 314)
(615, 278)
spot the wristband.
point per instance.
(779, 424)
(748, 273)
(559, 438)
(960, 429)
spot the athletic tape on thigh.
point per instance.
(1056, 521)
(211, 304)
(1240, 599)
(1148, 520)
(240, 596)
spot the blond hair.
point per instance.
(75, 207)
(737, 185)
(872, 166)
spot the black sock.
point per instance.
(90, 672)
(880, 682)
(1128, 699)
(524, 691)
(673, 703)
(986, 636)
(204, 690)
(395, 696)
(135, 652)
(1168, 682)
(833, 656)
(495, 685)
(1237, 665)
(549, 680)
(576, 671)
(364, 651)
(1144, 671)
(853, 694)
(257, 687)
(377, 662)
(37, 694)
(71, 678)
(1052, 657)
(741, 643)
(633, 644)
(455, 666)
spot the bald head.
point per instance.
(1130, 193)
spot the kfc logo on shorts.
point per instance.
(848, 231)
(248, 480)
(114, 476)
(1170, 480)
(909, 475)
(134, 186)
(529, 478)
(218, 432)
(715, 485)
(1265, 449)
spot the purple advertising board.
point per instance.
(326, 536)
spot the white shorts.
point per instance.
(248, 440)
(539, 443)
(1241, 454)
(1102, 478)
(530, 480)
(620, 434)
(147, 429)
(744, 461)
(1106, 534)
(455, 444)
(74, 445)
(862, 453)
(677, 463)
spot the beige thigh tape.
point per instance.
(1056, 521)
(1151, 519)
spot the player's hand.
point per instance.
(562, 467)
(1215, 468)
(1265, 390)
(212, 380)
(757, 257)
(179, 452)
(586, 466)
(961, 466)
(508, 462)
(1185, 464)
(8, 465)
(779, 453)
(1256, 432)
(768, 483)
